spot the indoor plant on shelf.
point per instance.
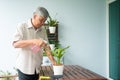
(58, 53)
(52, 23)
(52, 44)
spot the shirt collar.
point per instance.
(31, 26)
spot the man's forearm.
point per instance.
(49, 54)
(22, 43)
(26, 43)
(51, 58)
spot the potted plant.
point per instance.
(6, 75)
(52, 23)
(58, 54)
(45, 60)
(52, 44)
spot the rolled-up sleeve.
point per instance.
(18, 34)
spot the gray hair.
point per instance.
(41, 11)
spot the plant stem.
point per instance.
(58, 60)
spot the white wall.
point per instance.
(82, 26)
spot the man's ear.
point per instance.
(34, 16)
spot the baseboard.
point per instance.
(110, 79)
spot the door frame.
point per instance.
(107, 35)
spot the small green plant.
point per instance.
(52, 41)
(59, 52)
(52, 22)
(5, 73)
(44, 53)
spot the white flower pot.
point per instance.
(58, 70)
(52, 46)
(52, 29)
(46, 61)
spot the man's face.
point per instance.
(39, 20)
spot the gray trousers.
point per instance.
(22, 76)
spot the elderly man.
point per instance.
(31, 40)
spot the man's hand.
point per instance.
(54, 63)
(38, 42)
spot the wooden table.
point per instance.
(72, 72)
(6, 77)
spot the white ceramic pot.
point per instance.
(52, 46)
(52, 29)
(58, 70)
(46, 61)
